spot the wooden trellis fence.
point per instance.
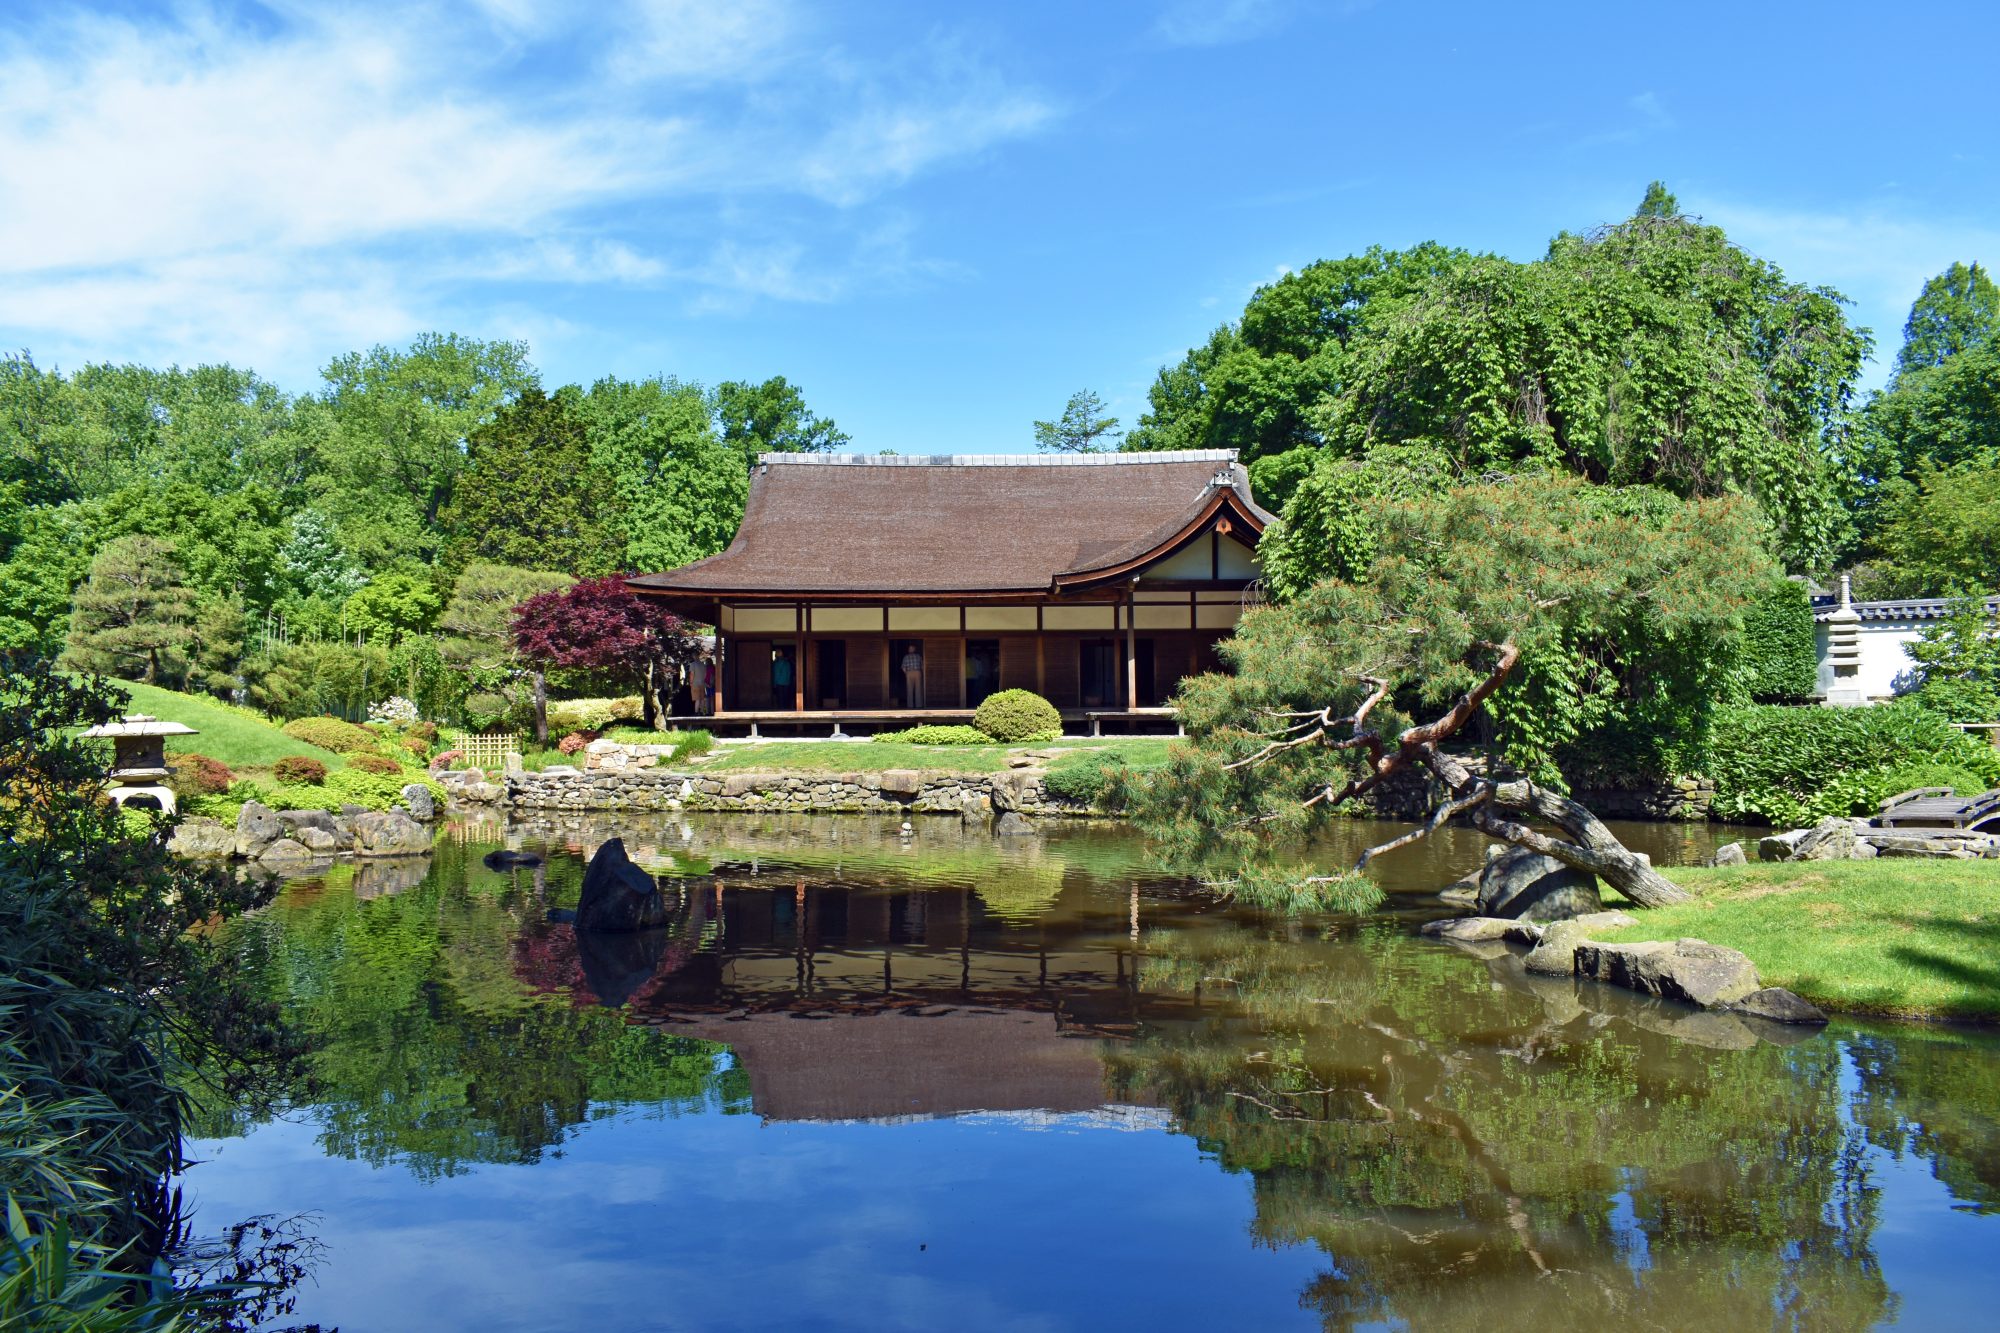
(489, 750)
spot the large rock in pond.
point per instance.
(286, 850)
(618, 895)
(1524, 885)
(1468, 929)
(318, 841)
(1013, 824)
(423, 805)
(1696, 971)
(257, 827)
(393, 833)
(1775, 1004)
(1555, 955)
(200, 838)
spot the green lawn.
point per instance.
(238, 737)
(1889, 936)
(876, 756)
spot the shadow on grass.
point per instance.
(1976, 978)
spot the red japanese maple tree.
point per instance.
(601, 626)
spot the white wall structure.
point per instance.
(1863, 646)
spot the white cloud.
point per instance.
(194, 186)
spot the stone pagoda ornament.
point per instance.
(139, 769)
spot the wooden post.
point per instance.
(799, 664)
(1131, 650)
(715, 674)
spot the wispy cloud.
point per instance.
(197, 183)
(1219, 22)
(1644, 114)
(1878, 256)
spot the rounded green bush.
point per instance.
(298, 770)
(198, 775)
(1017, 716)
(330, 733)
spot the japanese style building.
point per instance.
(879, 588)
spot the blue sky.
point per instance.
(939, 220)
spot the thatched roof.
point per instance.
(998, 524)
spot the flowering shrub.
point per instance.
(394, 711)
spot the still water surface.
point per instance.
(948, 1082)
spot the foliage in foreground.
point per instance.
(117, 1000)
(1331, 689)
(934, 733)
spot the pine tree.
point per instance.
(131, 616)
(1958, 310)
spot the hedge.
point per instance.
(1779, 658)
(1792, 766)
(935, 734)
(298, 770)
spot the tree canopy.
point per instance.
(1958, 310)
(1650, 352)
(1558, 591)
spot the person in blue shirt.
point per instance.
(781, 672)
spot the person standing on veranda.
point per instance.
(913, 678)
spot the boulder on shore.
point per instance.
(1729, 854)
(1555, 956)
(1468, 929)
(1526, 885)
(1775, 1004)
(200, 838)
(1832, 839)
(1696, 971)
(618, 895)
(257, 827)
(423, 805)
(287, 850)
(390, 834)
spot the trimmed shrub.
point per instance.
(573, 742)
(198, 775)
(417, 746)
(591, 714)
(330, 733)
(1793, 766)
(299, 770)
(447, 759)
(1013, 717)
(426, 732)
(932, 734)
(375, 763)
(1779, 658)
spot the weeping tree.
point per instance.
(601, 626)
(1497, 623)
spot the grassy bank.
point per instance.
(1899, 937)
(238, 737)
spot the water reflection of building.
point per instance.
(845, 1003)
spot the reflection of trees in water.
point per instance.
(1388, 1110)
(432, 1054)
(1937, 1096)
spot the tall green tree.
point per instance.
(1958, 310)
(1082, 429)
(396, 426)
(679, 487)
(1939, 417)
(1940, 535)
(772, 418)
(476, 638)
(1252, 385)
(132, 616)
(532, 495)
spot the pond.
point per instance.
(950, 1082)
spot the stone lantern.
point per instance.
(139, 769)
